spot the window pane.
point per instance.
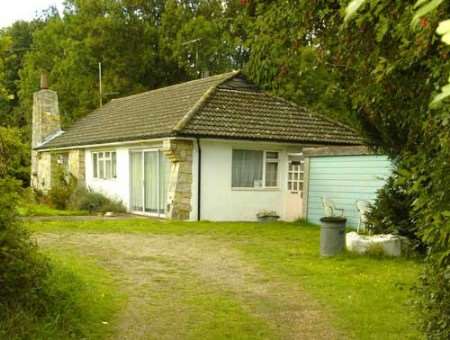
(94, 163)
(271, 174)
(247, 166)
(114, 165)
(108, 169)
(136, 181)
(101, 168)
(271, 155)
(164, 173)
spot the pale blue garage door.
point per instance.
(345, 179)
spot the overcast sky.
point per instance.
(13, 10)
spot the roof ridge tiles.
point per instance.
(199, 81)
(203, 99)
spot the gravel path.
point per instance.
(157, 271)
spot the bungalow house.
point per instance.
(216, 148)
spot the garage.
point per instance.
(343, 176)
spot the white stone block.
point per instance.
(391, 244)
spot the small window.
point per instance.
(104, 165)
(296, 175)
(95, 164)
(271, 169)
(254, 169)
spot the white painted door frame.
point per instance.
(143, 152)
(295, 187)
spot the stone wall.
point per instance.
(41, 170)
(179, 152)
(44, 163)
(77, 165)
(46, 123)
(46, 118)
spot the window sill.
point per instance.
(255, 189)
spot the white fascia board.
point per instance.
(100, 145)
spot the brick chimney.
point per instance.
(46, 118)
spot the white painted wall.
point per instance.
(117, 188)
(219, 202)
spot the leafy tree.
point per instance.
(424, 169)
(22, 270)
(289, 49)
(14, 155)
(17, 41)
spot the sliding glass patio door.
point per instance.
(149, 182)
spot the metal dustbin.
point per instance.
(332, 235)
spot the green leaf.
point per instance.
(424, 10)
(444, 27)
(419, 3)
(352, 8)
(440, 97)
(446, 38)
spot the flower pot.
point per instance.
(266, 219)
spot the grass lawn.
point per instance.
(83, 299)
(242, 280)
(32, 209)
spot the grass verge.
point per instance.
(81, 303)
(367, 297)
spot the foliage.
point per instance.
(14, 155)
(88, 200)
(22, 269)
(434, 300)
(63, 186)
(15, 43)
(423, 167)
(287, 54)
(391, 212)
(432, 210)
(141, 45)
(79, 301)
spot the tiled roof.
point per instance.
(257, 115)
(225, 106)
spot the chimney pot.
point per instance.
(44, 81)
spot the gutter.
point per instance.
(199, 179)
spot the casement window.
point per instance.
(254, 169)
(104, 164)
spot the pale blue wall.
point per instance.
(345, 179)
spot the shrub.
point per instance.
(391, 213)
(88, 200)
(434, 300)
(63, 187)
(14, 155)
(22, 269)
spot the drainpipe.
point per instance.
(199, 180)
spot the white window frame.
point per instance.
(265, 161)
(296, 185)
(113, 169)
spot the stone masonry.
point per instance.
(179, 152)
(77, 165)
(47, 124)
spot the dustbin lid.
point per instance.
(333, 219)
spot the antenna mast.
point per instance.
(100, 83)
